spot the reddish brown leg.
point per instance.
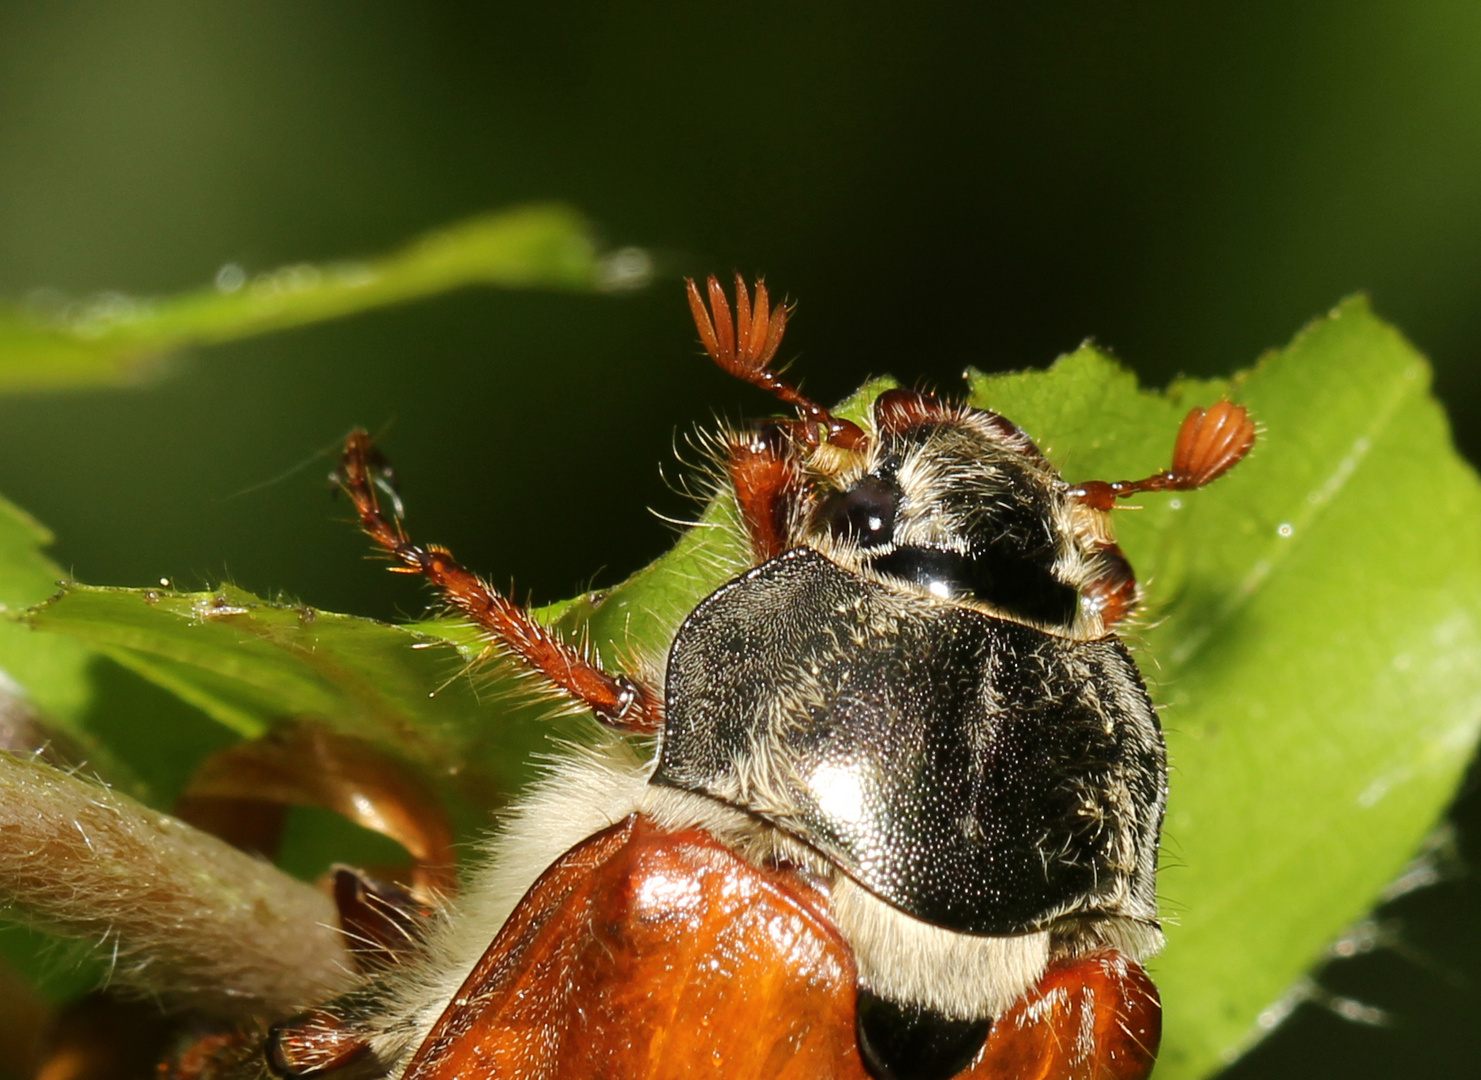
(1093, 1017)
(240, 794)
(1112, 591)
(314, 1044)
(1210, 442)
(384, 922)
(769, 485)
(312, 1051)
(214, 1055)
(745, 348)
(615, 699)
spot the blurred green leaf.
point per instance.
(1311, 634)
(111, 338)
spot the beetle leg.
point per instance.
(241, 794)
(1210, 442)
(616, 700)
(1091, 1017)
(315, 1043)
(1112, 591)
(214, 1054)
(382, 921)
(768, 482)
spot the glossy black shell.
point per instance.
(975, 773)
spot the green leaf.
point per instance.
(248, 664)
(46, 683)
(112, 338)
(51, 670)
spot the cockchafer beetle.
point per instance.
(902, 818)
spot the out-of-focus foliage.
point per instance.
(111, 338)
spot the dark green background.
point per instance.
(937, 186)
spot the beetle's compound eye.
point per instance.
(904, 1042)
(864, 513)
